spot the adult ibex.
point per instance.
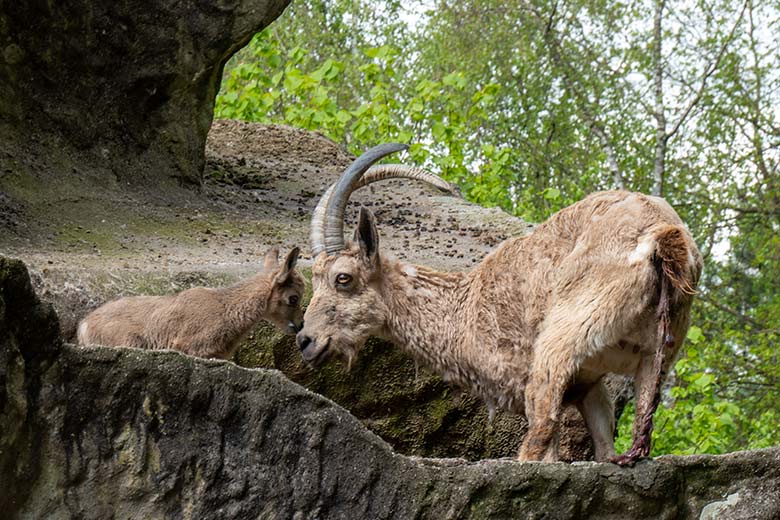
(201, 321)
(603, 286)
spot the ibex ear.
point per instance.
(287, 268)
(271, 259)
(367, 237)
(292, 259)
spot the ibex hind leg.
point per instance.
(647, 393)
(651, 372)
(576, 329)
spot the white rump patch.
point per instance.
(410, 270)
(642, 251)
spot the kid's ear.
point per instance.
(367, 237)
(287, 268)
(271, 259)
(292, 259)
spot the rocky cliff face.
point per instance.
(98, 95)
(98, 433)
(121, 89)
(263, 183)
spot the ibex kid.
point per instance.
(201, 321)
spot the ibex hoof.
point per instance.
(629, 458)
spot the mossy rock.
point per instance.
(412, 409)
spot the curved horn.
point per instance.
(374, 174)
(317, 233)
(396, 171)
(333, 227)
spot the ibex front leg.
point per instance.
(599, 413)
(543, 407)
(552, 371)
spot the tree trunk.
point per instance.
(659, 162)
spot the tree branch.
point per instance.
(597, 128)
(741, 317)
(709, 71)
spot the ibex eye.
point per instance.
(293, 300)
(343, 279)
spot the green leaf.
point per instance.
(405, 137)
(438, 130)
(293, 81)
(695, 334)
(274, 60)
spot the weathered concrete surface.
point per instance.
(122, 89)
(98, 433)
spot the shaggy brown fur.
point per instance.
(537, 323)
(201, 321)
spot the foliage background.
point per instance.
(530, 105)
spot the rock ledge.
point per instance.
(97, 432)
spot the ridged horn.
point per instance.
(327, 232)
(374, 174)
(381, 172)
